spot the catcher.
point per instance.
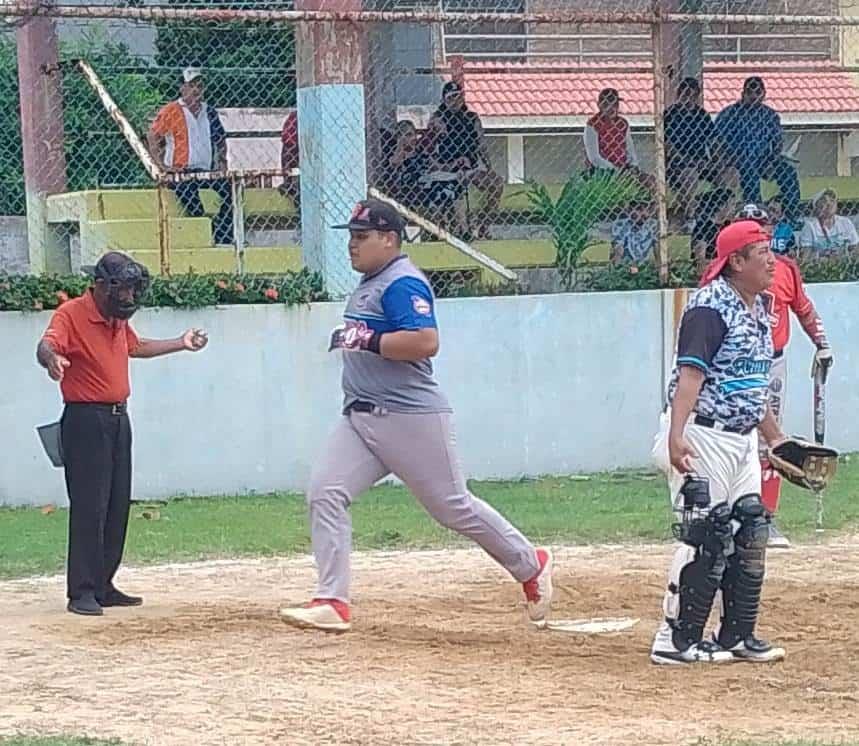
(786, 293)
(708, 447)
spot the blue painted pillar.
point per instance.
(331, 137)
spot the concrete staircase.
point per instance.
(98, 220)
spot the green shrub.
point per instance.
(37, 293)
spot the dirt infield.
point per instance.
(440, 654)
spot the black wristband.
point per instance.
(375, 341)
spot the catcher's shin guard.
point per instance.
(696, 574)
(744, 575)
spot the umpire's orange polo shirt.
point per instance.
(97, 350)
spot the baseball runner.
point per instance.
(707, 445)
(786, 293)
(396, 420)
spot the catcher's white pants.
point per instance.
(728, 460)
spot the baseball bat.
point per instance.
(819, 396)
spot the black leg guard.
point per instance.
(711, 538)
(744, 575)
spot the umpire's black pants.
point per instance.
(97, 454)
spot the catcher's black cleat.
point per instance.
(86, 606)
(755, 650)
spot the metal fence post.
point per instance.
(659, 132)
(163, 229)
(237, 186)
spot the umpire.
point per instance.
(86, 348)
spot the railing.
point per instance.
(582, 48)
(738, 54)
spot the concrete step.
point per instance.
(99, 236)
(119, 204)
(203, 260)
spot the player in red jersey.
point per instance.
(786, 293)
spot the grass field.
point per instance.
(599, 508)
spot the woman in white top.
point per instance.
(827, 233)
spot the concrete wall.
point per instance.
(14, 256)
(540, 384)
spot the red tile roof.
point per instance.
(515, 91)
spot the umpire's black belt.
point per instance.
(116, 409)
(703, 421)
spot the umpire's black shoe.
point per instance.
(117, 598)
(87, 606)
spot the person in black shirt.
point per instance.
(460, 148)
(690, 149)
(408, 178)
(716, 209)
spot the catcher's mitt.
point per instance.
(805, 464)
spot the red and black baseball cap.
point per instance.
(732, 239)
(374, 215)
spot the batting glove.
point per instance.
(822, 362)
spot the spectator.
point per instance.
(690, 148)
(460, 148)
(187, 137)
(608, 140)
(289, 160)
(827, 233)
(411, 179)
(715, 210)
(784, 238)
(633, 238)
(751, 139)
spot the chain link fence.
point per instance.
(533, 146)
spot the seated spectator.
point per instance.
(411, 179)
(827, 233)
(460, 148)
(291, 186)
(690, 149)
(187, 136)
(633, 238)
(715, 210)
(751, 139)
(608, 141)
(784, 238)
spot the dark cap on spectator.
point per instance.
(689, 84)
(374, 215)
(608, 96)
(451, 88)
(755, 83)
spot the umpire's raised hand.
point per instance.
(195, 340)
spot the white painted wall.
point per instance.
(540, 384)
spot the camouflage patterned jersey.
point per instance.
(733, 346)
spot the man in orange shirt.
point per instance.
(187, 136)
(86, 348)
(786, 293)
